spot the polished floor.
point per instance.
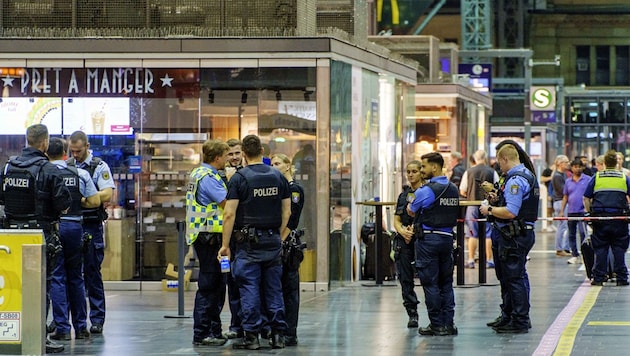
(569, 317)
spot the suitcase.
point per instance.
(588, 256)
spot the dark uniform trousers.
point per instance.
(404, 256)
(613, 234)
(92, 271)
(67, 291)
(257, 269)
(234, 299)
(210, 295)
(434, 262)
(510, 259)
(291, 296)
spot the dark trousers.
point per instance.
(404, 256)
(513, 255)
(506, 303)
(291, 296)
(67, 291)
(574, 227)
(257, 269)
(434, 262)
(92, 272)
(210, 295)
(610, 235)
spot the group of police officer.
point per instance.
(248, 213)
(40, 190)
(426, 215)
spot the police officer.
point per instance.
(34, 196)
(512, 214)
(205, 200)
(435, 209)
(292, 252)
(93, 225)
(67, 291)
(606, 195)
(404, 253)
(258, 207)
(233, 163)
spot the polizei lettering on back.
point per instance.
(449, 201)
(15, 182)
(266, 192)
(70, 181)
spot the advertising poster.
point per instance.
(16, 114)
(96, 116)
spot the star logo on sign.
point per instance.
(8, 82)
(167, 81)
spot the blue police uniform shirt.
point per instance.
(102, 176)
(516, 190)
(210, 190)
(86, 185)
(425, 197)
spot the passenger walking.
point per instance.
(205, 200)
(573, 204)
(606, 196)
(404, 242)
(67, 290)
(558, 180)
(93, 220)
(292, 254)
(435, 209)
(34, 197)
(513, 214)
(258, 207)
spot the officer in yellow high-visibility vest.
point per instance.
(205, 200)
(606, 195)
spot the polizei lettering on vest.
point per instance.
(16, 182)
(449, 201)
(70, 182)
(266, 192)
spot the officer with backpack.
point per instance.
(34, 196)
(93, 225)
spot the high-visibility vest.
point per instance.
(201, 218)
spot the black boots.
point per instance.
(247, 342)
(276, 340)
(413, 318)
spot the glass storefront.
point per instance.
(149, 123)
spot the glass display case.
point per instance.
(168, 160)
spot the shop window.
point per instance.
(612, 111)
(582, 60)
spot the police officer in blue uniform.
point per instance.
(205, 199)
(258, 207)
(34, 197)
(93, 225)
(292, 254)
(67, 291)
(605, 196)
(512, 215)
(404, 243)
(435, 209)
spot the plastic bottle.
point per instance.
(225, 264)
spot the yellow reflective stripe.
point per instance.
(395, 13)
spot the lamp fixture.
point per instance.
(244, 97)
(211, 97)
(278, 95)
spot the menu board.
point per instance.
(96, 116)
(16, 114)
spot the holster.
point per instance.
(292, 252)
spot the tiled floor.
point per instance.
(359, 320)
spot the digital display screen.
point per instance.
(96, 116)
(16, 114)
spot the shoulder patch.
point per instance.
(514, 189)
(295, 197)
(105, 175)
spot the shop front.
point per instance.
(147, 106)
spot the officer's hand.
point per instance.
(224, 251)
(409, 212)
(407, 234)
